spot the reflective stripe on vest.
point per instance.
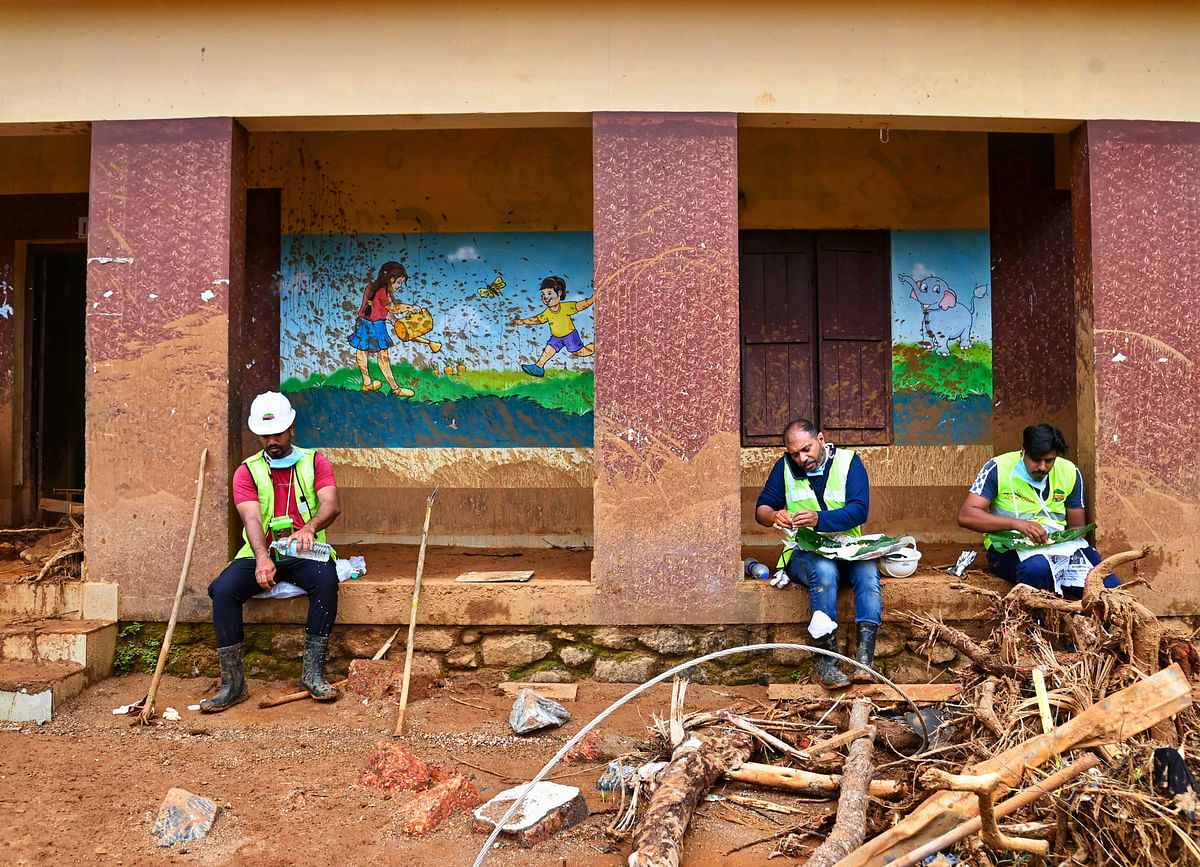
(1016, 498)
(800, 495)
(306, 479)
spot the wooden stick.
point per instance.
(850, 827)
(1118, 717)
(412, 618)
(147, 704)
(295, 696)
(804, 782)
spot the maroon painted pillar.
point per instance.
(667, 444)
(166, 251)
(1136, 206)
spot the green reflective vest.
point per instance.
(801, 496)
(1016, 498)
(304, 476)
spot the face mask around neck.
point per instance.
(289, 460)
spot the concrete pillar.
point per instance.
(165, 279)
(667, 441)
(1136, 207)
(1033, 293)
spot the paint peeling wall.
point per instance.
(165, 275)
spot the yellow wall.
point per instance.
(1012, 59)
(44, 164)
(853, 179)
(429, 180)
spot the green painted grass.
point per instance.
(962, 373)
(567, 391)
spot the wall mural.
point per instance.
(941, 337)
(480, 340)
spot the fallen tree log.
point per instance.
(805, 782)
(1118, 717)
(694, 767)
(851, 824)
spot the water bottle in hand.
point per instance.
(287, 548)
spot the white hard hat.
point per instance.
(271, 413)
(900, 564)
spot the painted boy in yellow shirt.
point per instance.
(562, 328)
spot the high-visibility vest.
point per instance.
(305, 478)
(800, 495)
(1016, 498)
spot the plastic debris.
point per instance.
(615, 776)
(531, 712)
(965, 559)
(171, 714)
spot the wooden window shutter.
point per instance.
(855, 339)
(778, 334)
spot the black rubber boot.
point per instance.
(313, 678)
(831, 677)
(865, 652)
(233, 681)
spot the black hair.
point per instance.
(1041, 439)
(800, 424)
(558, 284)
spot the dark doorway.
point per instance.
(57, 276)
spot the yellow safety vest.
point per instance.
(800, 495)
(305, 477)
(1016, 498)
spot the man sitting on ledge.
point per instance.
(1037, 492)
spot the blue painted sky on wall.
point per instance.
(960, 257)
(323, 277)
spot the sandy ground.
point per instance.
(86, 787)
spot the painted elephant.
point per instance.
(945, 319)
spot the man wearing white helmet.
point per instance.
(283, 490)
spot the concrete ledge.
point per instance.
(87, 643)
(562, 602)
(34, 691)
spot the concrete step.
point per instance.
(34, 691)
(23, 600)
(90, 644)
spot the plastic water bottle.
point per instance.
(286, 548)
(757, 570)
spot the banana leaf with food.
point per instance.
(845, 547)
(1013, 540)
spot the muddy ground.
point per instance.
(86, 787)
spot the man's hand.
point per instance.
(302, 540)
(264, 572)
(805, 518)
(1032, 530)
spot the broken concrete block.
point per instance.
(375, 678)
(546, 810)
(531, 712)
(394, 769)
(182, 817)
(425, 811)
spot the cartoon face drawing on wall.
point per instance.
(945, 319)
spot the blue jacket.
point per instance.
(858, 494)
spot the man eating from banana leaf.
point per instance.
(1029, 506)
(815, 488)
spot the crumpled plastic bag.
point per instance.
(347, 568)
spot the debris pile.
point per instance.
(55, 552)
(1066, 743)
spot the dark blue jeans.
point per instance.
(822, 576)
(236, 584)
(1035, 571)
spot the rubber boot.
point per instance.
(313, 678)
(826, 667)
(233, 681)
(865, 652)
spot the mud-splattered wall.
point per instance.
(478, 219)
(1136, 201)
